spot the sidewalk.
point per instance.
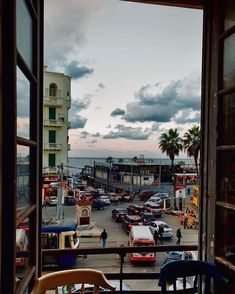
(89, 231)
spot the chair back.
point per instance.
(177, 272)
(69, 278)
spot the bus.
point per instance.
(141, 236)
(59, 235)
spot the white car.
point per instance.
(160, 195)
(153, 202)
(105, 199)
(168, 231)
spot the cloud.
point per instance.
(160, 104)
(129, 133)
(77, 71)
(156, 127)
(117, 112)
(64, 35)
(23, 92)
(187, 116)
(101, 85)
(96, 135)
(91, 141)
(84, 135)
(78, 122)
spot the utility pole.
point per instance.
(59, 208)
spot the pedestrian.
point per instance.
(160, 233)
(182, 219)
(155, 236)
(104, 237)
(185, 220)
(179, 236)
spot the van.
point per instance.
(141, 236)
(21, 245)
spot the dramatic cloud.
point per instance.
(160, 104)
(96, 135)
(117, 112)
(156, 127)
(77, 71)
(129, 133)
(78, 121)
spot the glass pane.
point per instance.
(229, 14)
(24, 29)
(229, 62)
(22, 244)
(225, 234)
(227, 177)
(23, 179)
(227, 120)
(23, 105)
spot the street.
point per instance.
(117, 236)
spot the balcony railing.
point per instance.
(122, 253)
(52, 146)
(49, 170)
(52, 123)
(54, 101)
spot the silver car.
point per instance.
(168, 232)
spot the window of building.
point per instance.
(52, 90)
(52, 136)
(52, 113)
(51, 160)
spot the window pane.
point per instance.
(225, 234)
(22, 244)
(229, 14)
(226, 181)
(227, 120)
(24, 28)
(23, 105)
(229, 62)
(23, 179)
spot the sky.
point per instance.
(135, 70)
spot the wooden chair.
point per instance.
(177, 272)
(70, 278)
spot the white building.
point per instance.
(57, 102)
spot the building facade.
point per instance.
(56, 103)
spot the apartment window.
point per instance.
(51, 160)
(52, 90)
(52, 113)
(52, 136)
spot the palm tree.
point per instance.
(192, 142)
(109, 160)
(134, 159)
(171, 144)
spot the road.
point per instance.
(116, 237)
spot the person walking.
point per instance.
(104, 237)
(185, 220)
(155, 237)
(179, 236)
(182, 219)
(160, 233)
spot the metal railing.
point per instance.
(122, 253)
(52, 146)
(52, 123)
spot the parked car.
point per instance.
(125, 197)
(118, 214)
(147, 217)
(168, 231)
(52, 201)
(113, 197)
(172, 211)
(129, 221)
(178, 255)
(161, 196)
(69, 201)
(146, 194)
(136, 209)
(105, 199)
(98, 204)
(157, 212)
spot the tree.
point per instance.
(109, 160)
(192, 142)
(120, 160)
(171, 144)
(135, 159)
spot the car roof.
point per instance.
(159, 222)
(133, 216)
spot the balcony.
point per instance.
(53, 101)
(52, 123)
(52, 146)
(49, 171)
(119, 255)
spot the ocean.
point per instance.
(76, 164)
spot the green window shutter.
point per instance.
(52, 136)
(51, 160)
(52, 113)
